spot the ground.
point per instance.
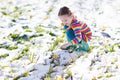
(31, 34)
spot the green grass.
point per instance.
(52, 34)
(9, 47)
(3, 67)
(14, 36)
(22, 75)
(100, 76)
(48, 77)
(39, 29)
(4, 56)
(50, 10)
(31, 57)
(54, 45)
(28, 30)
(12, 47)
(109, 75)
(16, 58)
(69, 74)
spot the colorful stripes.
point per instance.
(87, 34)
(77, 31)
(81, 32)
(82, 29)
(75, 25)
(84, 37)
(84, 25)
(76, 40)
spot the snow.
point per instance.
(33, 54)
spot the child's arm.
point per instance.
(77, 31)
(85, 29)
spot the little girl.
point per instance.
(77, 32)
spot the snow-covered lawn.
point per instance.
(31, 34)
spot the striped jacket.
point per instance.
(79, 31)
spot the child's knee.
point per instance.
(85, 46)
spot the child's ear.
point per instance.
(62, 24)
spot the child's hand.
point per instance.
(68, 28)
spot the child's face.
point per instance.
(66, 19)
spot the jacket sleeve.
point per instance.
(85, 29)
(77, 31)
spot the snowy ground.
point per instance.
(30, 36)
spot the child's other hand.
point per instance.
(68, 28)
